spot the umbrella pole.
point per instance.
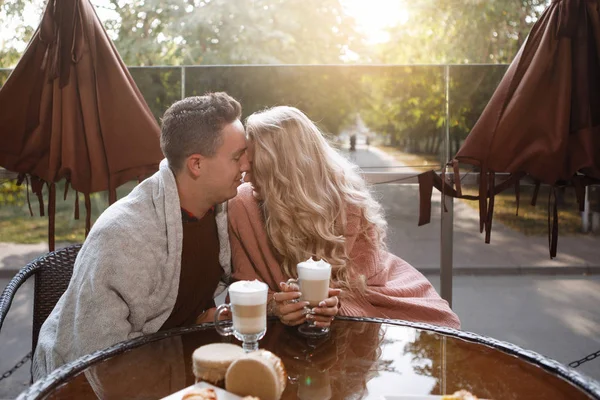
(447, 211)
(447, 242)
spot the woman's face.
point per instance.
(249, 177)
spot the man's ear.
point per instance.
(194, 164)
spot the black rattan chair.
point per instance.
(52, 275)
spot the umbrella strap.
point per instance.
(76, 216)
(536, 191)
(51, 215)
(112, 195)
(580, 183)
(425, 191)
(88, 213)
(457, 181)
(427, 181)
(25, 177)
(483, 193)
(443, 191)
(552, 227)
(518, 194)
(36, 187)
(490, 208)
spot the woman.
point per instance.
(305, 200)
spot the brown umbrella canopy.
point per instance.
(544, 118)
(70, 110)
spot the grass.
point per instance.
(530, 220)
(17, 226)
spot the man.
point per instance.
(156, 258)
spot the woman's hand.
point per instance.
(286, 305)
(292, 312)
(327, 309)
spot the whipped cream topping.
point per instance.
(248, 292)
(312, 264)
(248, 286)
(311, 269)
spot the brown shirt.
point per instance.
(200, 270)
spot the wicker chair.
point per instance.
(52, 275)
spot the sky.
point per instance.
(373, 16)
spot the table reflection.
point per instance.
(337, 366)
(358, 360)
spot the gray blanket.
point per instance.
(126, 276)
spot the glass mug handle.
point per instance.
(223, 330)
(307, 310)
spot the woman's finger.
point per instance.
(293, 308)
(319, 318)
(325, 311)
(329, 302)
(296, 322)
(282, 297)
(293, 316)
(289, 287)
(323, 324)
(334, 292)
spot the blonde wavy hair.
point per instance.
(307, 188)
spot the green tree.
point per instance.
(193, 32)
(447, 32)
(461, 31)
(406, 105)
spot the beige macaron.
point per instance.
(260, 373)
(210, 362)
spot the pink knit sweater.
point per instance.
(394, 288)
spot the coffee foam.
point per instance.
(248, 292)
(314, 270)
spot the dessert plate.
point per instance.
(221, 393)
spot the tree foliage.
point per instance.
(405, 104)
(410, 111)
(461, 32)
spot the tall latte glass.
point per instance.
(313, 279)
(248, 307)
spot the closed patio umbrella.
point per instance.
(543, 120)
(70, 110)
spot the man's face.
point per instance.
(223, 171)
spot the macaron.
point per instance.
(210, 362)
(260, 374)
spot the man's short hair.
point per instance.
(193, 126)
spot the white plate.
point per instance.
(221, 394)
(412, 397)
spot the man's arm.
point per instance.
(113, 301)
(109, 299)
